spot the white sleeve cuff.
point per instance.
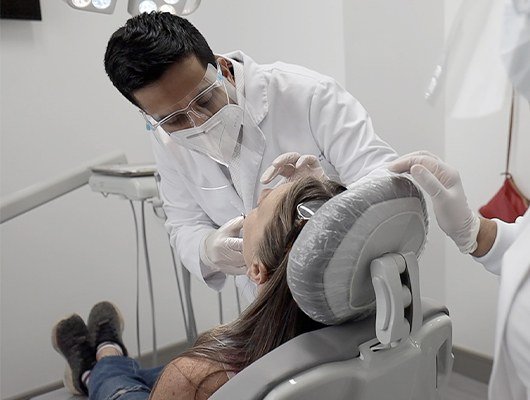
(506, 235)
(214, 279)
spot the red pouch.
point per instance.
(507, 204)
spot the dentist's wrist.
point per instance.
(486, 237)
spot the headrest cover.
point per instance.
(329, 265)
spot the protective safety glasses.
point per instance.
(307, 209)
(304, 211)
(202, 103)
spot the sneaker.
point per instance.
(105, 324)
(70, 339)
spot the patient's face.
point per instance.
(257, 219)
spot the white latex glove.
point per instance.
(442, 182)
(222, 249)
(293, 166)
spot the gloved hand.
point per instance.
(222, 249)
(442, 182)
(293, 166)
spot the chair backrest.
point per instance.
(329, 264)
(369, 236)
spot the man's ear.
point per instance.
(225, 68)
(258, 273)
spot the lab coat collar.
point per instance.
(253, 85)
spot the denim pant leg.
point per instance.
(118, 377)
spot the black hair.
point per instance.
(144, 48)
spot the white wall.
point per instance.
(298, 32)
(58, 110)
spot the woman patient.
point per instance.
(97, 358)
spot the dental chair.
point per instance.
(354, 267)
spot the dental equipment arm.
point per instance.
(442, 182)
(36, 195)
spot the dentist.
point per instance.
(217, 122)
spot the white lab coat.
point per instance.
(296, 110)
(510, 258)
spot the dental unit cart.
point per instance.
(138, 183)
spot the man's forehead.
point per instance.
(177, 83)
(189, 73)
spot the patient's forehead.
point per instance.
(271, 198)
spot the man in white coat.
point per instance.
(217, 123)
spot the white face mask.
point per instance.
(217, 137)
(515, 45)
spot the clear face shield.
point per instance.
(209, 121)
(205, 101)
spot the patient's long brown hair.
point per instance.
(274, 317)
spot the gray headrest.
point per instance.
(329, 265)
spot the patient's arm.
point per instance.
(189, 378)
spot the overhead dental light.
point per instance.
(135, 7)
(176, 7)
(99, 6)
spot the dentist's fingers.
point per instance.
(283, 165)
(404, 163)
(233, 226)
(307, 161)
(234, 244)
(427, 180)
(269, 174)
(286, 158)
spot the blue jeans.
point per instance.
(118, 377)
